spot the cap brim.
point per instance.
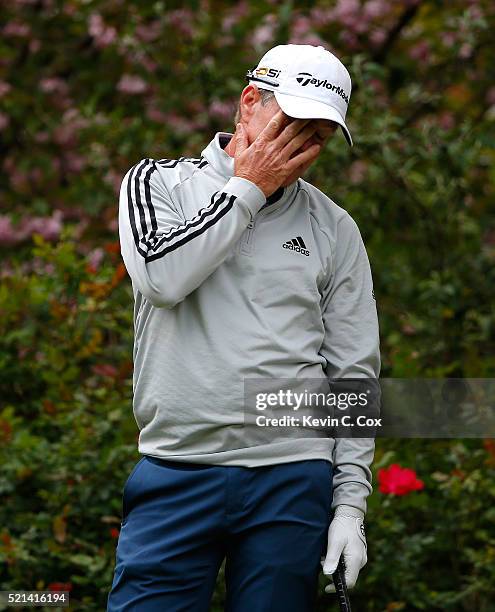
(304, 108)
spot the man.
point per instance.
(242, 269)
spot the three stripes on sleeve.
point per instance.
(151, 241)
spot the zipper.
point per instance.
(248, 239)
(247, 242)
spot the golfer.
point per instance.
(243, 270)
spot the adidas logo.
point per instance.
(297, 245)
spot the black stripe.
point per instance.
(130, 208)
(294, 242)
(197, 220)
(173, 232)
(172, 163)
(134, 180)
(301, 242)
(196, 233)
(149, 241)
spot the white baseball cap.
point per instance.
(308, 82)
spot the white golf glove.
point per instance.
(345, 536)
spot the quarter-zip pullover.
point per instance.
(229, 285)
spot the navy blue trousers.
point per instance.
(180, 521)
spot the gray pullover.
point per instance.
(220, 296)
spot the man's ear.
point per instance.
(249, 97)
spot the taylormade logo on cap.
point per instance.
(304, 78)
(309, 82)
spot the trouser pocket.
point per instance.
(125, 492)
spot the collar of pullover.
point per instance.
(223, 163)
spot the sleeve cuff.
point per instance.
(351, 494)
(248, 192)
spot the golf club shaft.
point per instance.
(340, 587)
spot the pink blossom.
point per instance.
(65, 135)
(239, 10)
(377, 36)
(361, 26)
(41, 137)
(420, 51)
(16, 28)
(4, 121)
(146, 62)
(222, 110)
(321, 16)
(264, 33)
(302, 33)
(74, 162)
(349, 39)
(113, 225)
(448, 38)
(300, 25)
(375, 8)
(7, 232)
(4, 88)
(181, 20)
(180, 124)
(7, 269)
(475, 12)
(156, 115)
(48, 227)
(95, 258)
(132, 84)
(377, 86)
(150, 31)
(465, 50)
(34, 45)
(80, 228)
(347, 12)
(102, 34)
(357, 172)
(53, 85)
(38, 266)
(310, 38)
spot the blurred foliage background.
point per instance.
(87, 89)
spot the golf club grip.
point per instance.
(340, 587)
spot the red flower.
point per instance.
(397, 480)
(105, 369)
(60, 586)
(114, 532)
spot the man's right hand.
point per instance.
(267, 161)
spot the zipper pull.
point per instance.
(250, 225)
